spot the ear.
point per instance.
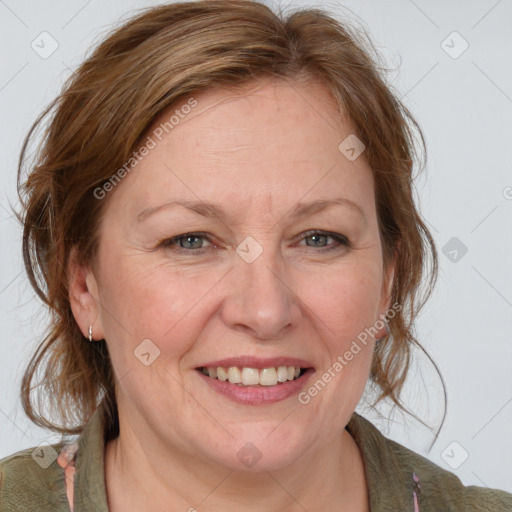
(388, 279)
(84, 297)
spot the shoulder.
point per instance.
(436, 488)
(32, 479)
(439, 487)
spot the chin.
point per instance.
(262, 452)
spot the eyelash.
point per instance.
(341, 241)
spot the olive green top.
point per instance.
(398, 478)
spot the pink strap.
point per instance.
(416, 491)
(66, 460)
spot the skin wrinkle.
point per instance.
(313, 309)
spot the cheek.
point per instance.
(156, 302)
(346, 300)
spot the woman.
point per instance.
(221, 221)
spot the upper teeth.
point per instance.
(253, 376)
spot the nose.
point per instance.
(261, 300)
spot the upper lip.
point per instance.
(257, 362)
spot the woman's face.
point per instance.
(247, 177)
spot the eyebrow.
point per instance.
(212, 210)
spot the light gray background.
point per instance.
(464, 106)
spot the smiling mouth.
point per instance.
(247, 376)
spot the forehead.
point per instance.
(269, 143)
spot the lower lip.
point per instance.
(258, 395)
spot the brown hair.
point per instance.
(151, 62)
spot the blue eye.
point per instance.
(189, 243)
(319, 236)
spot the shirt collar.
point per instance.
(89, 489)
(389, 480)
(388, 483)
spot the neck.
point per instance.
(151, 476)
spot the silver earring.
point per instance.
(90, 332)
(388, 331)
